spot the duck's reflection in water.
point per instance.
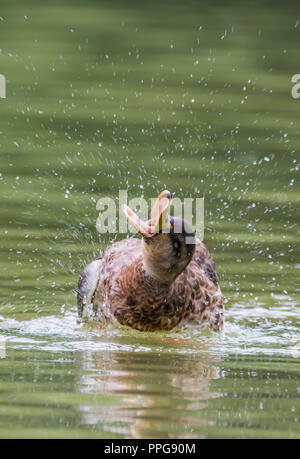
(147, 394)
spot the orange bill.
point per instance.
(159, 217)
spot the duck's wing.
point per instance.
(206, 263)
(102, 272)
(87, 284)
(119, 255)
(199, 281)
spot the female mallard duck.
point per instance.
(165, 279)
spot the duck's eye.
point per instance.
(177, 246)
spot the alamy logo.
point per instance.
(2, 87)
(296, 87)
(114, 215)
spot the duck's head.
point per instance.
(168, 242)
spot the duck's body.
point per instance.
(152, 284)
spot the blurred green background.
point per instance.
(190, 96)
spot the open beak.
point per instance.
(159, 217)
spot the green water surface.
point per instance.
(194, 97)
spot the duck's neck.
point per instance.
(157, 279)
(158, 272)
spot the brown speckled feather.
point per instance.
(167, 278)
(125, 291)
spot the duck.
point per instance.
(165, 279)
